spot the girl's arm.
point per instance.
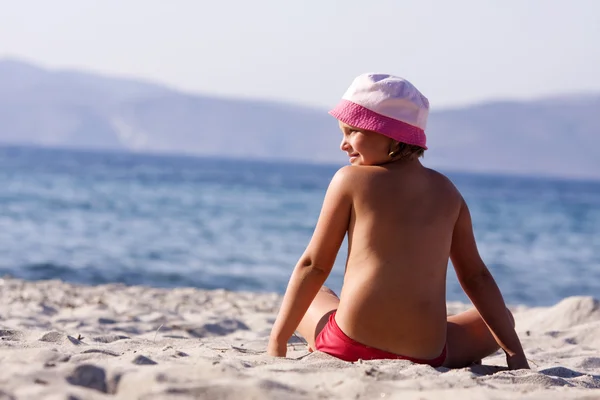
(479, 285)
(316, 263)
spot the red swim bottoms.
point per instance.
(333, 341)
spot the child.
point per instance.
(404, 222)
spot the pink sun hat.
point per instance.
(385, 104)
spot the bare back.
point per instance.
(393, 297)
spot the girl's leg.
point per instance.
(315, 319)
(469, 339)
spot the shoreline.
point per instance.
(60, 339)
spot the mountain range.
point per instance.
(557, 136)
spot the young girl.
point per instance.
(404, 222)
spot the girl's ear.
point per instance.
(394, 149)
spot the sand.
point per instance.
(64, 341)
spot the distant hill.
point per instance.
(554, 136)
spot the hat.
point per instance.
(385, 104)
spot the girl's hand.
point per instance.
(517, 362)
(276, 349)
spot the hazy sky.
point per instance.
(455, 51)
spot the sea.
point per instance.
(165, 221)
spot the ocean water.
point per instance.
(213, 223)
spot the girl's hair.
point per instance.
(407, 150)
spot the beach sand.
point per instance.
(64, 341)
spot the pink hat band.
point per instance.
(360, 117)
(387, 105)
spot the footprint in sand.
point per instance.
(143, 360)
(101, 351)
(89, 376)
(109, 338)
(220, 328)
(11, 334)
(53, 337)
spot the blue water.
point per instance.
(212, 223)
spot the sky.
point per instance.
(307, 52)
